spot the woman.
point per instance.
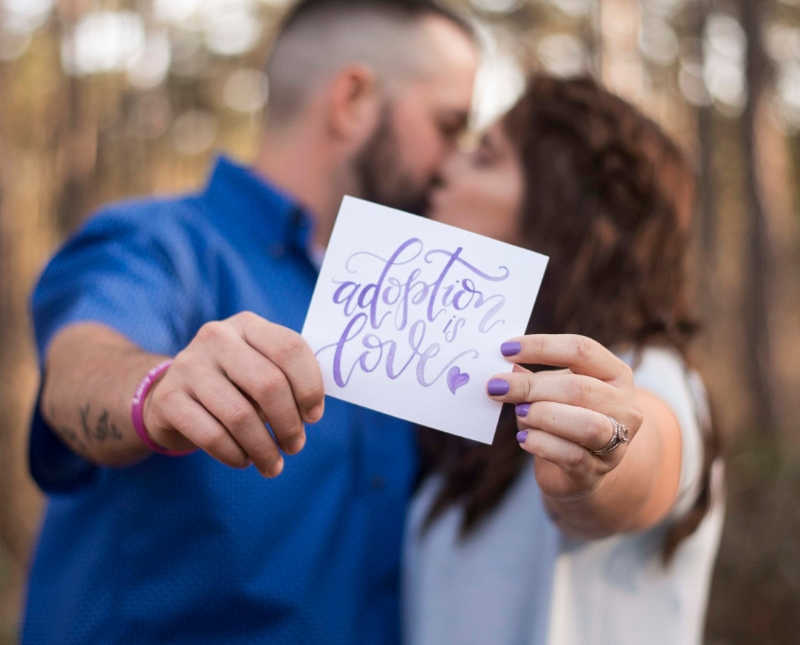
(593, 518)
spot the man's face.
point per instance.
(420, 124)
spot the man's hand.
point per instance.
(235, 376)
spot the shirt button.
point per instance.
(378, 482)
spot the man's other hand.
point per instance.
(232, 378)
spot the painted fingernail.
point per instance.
(511, 348)
(522, 409)
(521, 436)
(498, 387)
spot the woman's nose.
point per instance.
(453, 164)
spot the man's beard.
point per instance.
(380, 175)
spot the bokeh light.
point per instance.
(24, 16)
(658, 41)
(103, 41)
(724, 49)
(496, 6)
(246, 90)
(149, 66)
(575, 8)
(194, 132)
(562, 54)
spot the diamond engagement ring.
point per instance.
(619, 437)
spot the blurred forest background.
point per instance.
(106, 99)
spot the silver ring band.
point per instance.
(619, 437)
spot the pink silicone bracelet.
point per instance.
(137, 405)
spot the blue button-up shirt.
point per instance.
(188, 550)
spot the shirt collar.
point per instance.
(240, 198)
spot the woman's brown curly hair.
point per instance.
(608, 197)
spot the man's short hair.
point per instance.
(318, 37)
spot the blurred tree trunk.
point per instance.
(70, 201)
(794, 147)
(6, 338)
(758, 350)
(5, 265)
(17, 505)
(706, 187)
(592, 37)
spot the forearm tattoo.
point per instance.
(72, 439)
(91, 433)
(103, 429)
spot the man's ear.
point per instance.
(354, 104)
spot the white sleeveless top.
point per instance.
(517, 580)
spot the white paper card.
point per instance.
(408, 316)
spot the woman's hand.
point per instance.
(566, 416)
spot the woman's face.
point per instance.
(482, 191)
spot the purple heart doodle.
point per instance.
(456, 378)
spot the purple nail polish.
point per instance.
(498, 387)
(521, 436)
(511, 348)
(522, 409)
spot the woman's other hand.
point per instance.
(569, 418)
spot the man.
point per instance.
(366, 98)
